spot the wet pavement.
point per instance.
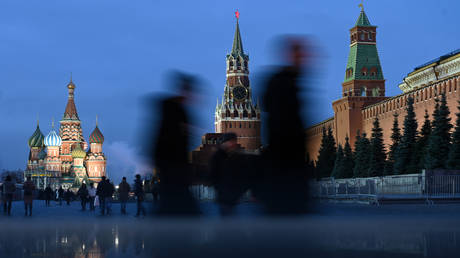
(334, 230)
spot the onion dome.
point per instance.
(96, 136)
(42, 154)
(53, 139)
(78, 152)
(36, 140)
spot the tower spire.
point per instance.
(237, 48)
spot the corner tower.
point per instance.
(363, 84)
(236, 112)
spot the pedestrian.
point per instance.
(29, 189)
(139, 192)
(171, 151)
(48, 195)
(123, 194)
(105, 191)
(8, 191)
(83, 194)
(285, 178)
(68, 196)
(91, 196)
(60, 194)
(155, 191)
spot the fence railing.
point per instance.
(390, 187)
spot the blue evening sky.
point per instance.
(119, 50)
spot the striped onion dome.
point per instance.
(78, 152)
(36, 140)
(53, 139)
(96, 136)
(42, 154)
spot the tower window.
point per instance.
(230, 125)
(370, 35)
(361, 36)
(363, 91)
(364, 71)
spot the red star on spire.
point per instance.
(237, 14)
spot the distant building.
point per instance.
(61, 159)
(363, 91)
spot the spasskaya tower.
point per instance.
(236, 112)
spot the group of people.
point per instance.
(102, 195)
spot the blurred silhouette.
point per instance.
(171, 151)
(228, 175)
(29, 189)
(8, 190)
(140, 195)
(284, 187)
(123, 194)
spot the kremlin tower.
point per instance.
(237, 112)
(60, 159)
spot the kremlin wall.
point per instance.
(363, 91)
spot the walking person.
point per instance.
(83, 194)
(139, 192)
(48, 196)
(29, 189)
(8, 191)
(105, 191)
(68, 196)
(60, 194)
(123, 194)
(91, 196)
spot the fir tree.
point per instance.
(454, 154)
(377, 151)
(405, 160)
(439, 140)
(326, 157)
(348, 162)
(395, 139)
(422, 141)
(362, 156)
(338, 165)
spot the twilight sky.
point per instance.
(119, 51)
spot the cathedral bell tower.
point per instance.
(237, 113)
(363, 85)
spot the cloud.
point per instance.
(124, 160)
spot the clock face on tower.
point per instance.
(239, 92)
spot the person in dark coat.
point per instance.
(228, 175)
(285, 188)
(123, 194)
(60, 194)
(48, 195)
(29, 189)
(9, 187)
(171, 153)
(105, 190)
(68, 196)
(83, 194)
(139, 193)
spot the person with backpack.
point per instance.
(83, 194)
(123, 194)
(8, 191)
(29, 189)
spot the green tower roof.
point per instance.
(363, 21)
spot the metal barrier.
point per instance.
(414, 186)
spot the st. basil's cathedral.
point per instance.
(60, 159)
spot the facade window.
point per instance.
(361, 36)
(375, 92)
(240, 125)
(370, 35)
(230, 125)
(363, 92)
